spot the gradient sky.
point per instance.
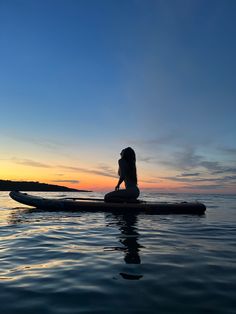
(81, 80)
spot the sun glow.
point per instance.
(86, 176)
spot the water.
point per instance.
(58, 262)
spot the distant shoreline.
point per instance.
(8, 185)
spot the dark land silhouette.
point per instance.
(7, 185)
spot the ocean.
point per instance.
(78, 262)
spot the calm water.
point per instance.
(105, 263)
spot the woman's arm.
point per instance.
(121, 174)
(118, 184)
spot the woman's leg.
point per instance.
(122, 195)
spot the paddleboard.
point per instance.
(99, 205)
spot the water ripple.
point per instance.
(106, 263)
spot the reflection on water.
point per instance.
(127, 225)
(129, 237)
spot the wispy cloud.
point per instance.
(164, 139)
(190, 174)
(205, 187)
(197, 169)
(30, 162)
(106, 172)
(102, 170)
(43, 142)
(66, 181)
(221, 181)
(223, 169)
(228, 150)
(147, 159)
(150, 181)
(188, 160)
(185, 159)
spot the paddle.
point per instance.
(83, 199)
(99, 199)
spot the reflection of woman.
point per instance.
(130, 238)
(128, 175)
(127, 224)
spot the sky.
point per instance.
(82, 79)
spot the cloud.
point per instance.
(162, 140)
(147, 159)
(150, 181)
(174, 150)
(183, 160)
(66, 181)
(204, 187)
(43, 142)
(225, 170)
(228, 150)
(195, 177)
(102, 171)
(213, 175)
(210, 165)
(29, 162)
(208, 183)
(178, 178)
(190, 174)
(230, 178)
(189, 160)
(105, 171)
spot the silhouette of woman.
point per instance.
(128, 175)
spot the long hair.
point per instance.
(128, 155)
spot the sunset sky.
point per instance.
(82, 79)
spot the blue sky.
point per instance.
(80, 80)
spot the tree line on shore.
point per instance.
(8, 185)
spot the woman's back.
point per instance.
(128, 173)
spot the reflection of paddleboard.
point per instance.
(99, 205)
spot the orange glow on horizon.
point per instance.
(94, 182)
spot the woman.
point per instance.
(128, 175)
